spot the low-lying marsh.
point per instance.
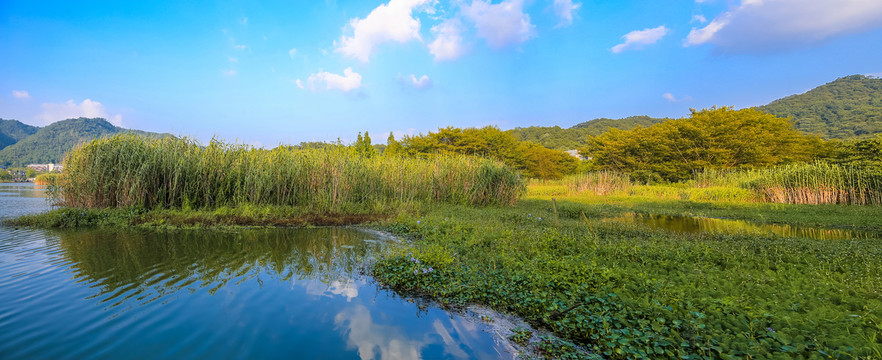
(628, 291)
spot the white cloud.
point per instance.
(448, 43)
(240, 47)
(500, 24)
(387, 22)
(20, 94)
(244, 21)
(564, 10)
(53, 112)
(698, 18)
(231, 72)
(233, 60)
(418, 84)
(769, 25)
(323, 80)
(875, 75)
(639, 38)
(671, 98)
(292, 52)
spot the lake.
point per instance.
(255, 294)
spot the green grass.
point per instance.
(129, 171)
(627, 291)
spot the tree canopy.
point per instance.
(533, 159)
(555, 137)
(720, 138)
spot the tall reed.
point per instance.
(816, 183)
(604, 182)
(127, 170)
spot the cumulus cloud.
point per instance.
(231, 72)
(500, 24)
(448, 41)
(20, 94)
(240, 47)
(671, 98)
(292, 52)
(768, 25)
(418, 84)
(323, 80)
(698, 18)
(388, 22)
(639, 38)
(53, 112)
(564, 10)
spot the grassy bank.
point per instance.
(817, 183)
(627, 291)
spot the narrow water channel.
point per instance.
(251, 294)
(698, 224)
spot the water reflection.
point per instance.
(148, 265)
(695, 224)
(271, 293)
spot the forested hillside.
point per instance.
(849, 107)
(13, 131)
(555, 137)
(48, 144)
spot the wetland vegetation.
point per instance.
(769, 256)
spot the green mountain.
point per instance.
(13, 131)
(48, 144)
(555, 137)
(850, 107)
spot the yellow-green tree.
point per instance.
(720, 138)
(533, 159)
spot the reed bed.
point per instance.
(815, 183)
(131, 171)
(600, 183)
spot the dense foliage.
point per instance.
(629, 292)
(846, 108)
(716, 138)
(132, 171)
(555, 137)
(531, 158)
(13, 131)
(48, 144)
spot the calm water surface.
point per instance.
(697, 224)
(272, 293)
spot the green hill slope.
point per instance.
(848, 107)
(49, 144)
(13, 131)
(555, 137)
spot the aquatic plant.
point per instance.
(132, 171)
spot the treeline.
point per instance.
(555, 137)
(719, 139)
(532, 159)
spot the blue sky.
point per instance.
(289, 71)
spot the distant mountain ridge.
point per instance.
(848, 107)
(555, 137)
(50, 143)
(13, 131)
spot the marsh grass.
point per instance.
(129, 171)
(816, 183)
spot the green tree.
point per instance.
(720, 138)
(531, 158)
(393, 147)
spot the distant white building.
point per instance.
(45, 167)
(575, 154)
